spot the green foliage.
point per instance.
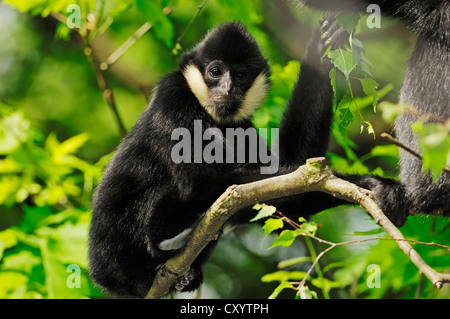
(153, 12)
(434, 142)
(48, 181)
(398, 275)
(433, 137)
(264, 211)
(45, 172)
(350, 63)
(283, 79)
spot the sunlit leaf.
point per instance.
(264, 211)
(283, 275)
(370, 87)
(293, 261)
(345, 60)
(286, 238)
(280, 288)
(272, 224)
(306, 293)
(434, 142)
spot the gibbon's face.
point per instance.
(228, 74)
(229, 93)
(227, 86)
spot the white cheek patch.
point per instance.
(253, 98)
(198, 86)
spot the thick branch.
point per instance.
(313, 176)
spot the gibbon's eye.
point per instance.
(215, 72)
(241, 75)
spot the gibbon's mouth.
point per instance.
(226, 99)
(226, 108)
(226, 105)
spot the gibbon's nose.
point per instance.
(227, 84)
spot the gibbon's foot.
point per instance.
(332, 33)
(390, 195)
(190, 280)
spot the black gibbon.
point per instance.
(149, 200)
(426, 88)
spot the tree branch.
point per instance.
(313, 176)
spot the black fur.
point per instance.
(144, 198)
(426, 88)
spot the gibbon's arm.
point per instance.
(305, 128)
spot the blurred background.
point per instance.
(57, 132)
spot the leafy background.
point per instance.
(57, 133)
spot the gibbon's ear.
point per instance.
(187, 59)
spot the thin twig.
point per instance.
(200, 8)
(60, 17)
(407, 148)
(106, 89)
(125, 46)
(334, 245)
(101, 77)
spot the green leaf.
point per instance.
(62, 246)
(264, 211)
(390, 111)
(374, 231)
(308, 228)
(45, 7)
(370, 87)
(73, 144)
(272, 224)
(12, 282)
(280, 288)
(434, 142)
(283, 275)
(162, 26)
(23, 262)
(388, 150)
(293, 261)
(33, 217)
(34, 6)
(285, 239)
(67, 243)
(14, 130)
(348, 21)
(8, 239)
(345, 60)
(305, 293)
(346, 118)
(370, 129)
